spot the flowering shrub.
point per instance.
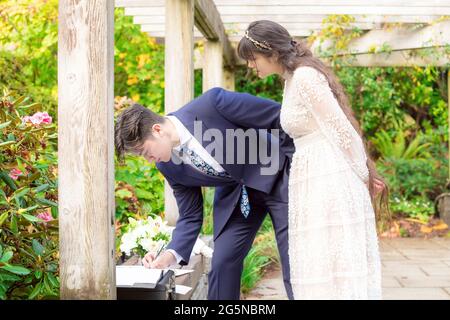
(28, 194)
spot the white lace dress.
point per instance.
(333, 245)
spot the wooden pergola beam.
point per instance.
(311, 10)
(212, 65)
(399, 38)
(233, 36)
(206, 18)
(209, 23)
(86, 149)
(159, 31)
(296, 18)
(402, 58)
(303, 3)
(240, 26)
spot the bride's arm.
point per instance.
(317, 96)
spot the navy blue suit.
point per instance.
(233, 233)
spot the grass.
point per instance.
(263, 253)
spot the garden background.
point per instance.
(403, 112)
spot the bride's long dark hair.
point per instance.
(268, 38)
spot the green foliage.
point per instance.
(139, 187)
(28, 49)
(398, 147)
(270, 87)
(139, 75)
(373, 97)
(28, 55)
(139, 64)
(263, 252)
(208, 201)
(404, 114)
(418, 207)
(409, 178)
(28, 195)
(337, 33)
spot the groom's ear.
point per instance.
(156, 129)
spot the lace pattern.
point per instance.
(333, 245)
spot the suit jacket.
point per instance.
(223, 110)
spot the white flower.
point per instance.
(128, 243)
(142, 232)
(200, 247)
(148, 244)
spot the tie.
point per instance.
(200, 164)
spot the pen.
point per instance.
(157, 254)
(160, 250)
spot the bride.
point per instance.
(333, 245)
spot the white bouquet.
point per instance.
(145, 236)
(150, 235)
(200, 247)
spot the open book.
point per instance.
(134, 275)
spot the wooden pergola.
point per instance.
(86, 93)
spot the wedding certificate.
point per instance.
(129, 275)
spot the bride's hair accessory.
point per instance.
(260, 45)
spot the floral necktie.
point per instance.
(200, 164)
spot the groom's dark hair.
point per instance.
(133, 127)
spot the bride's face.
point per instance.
(264, 66)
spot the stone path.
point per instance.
(413, 269)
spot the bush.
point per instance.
(28, 49)
(28, 194)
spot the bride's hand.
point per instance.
(378, 185)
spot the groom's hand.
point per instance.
(162, 261)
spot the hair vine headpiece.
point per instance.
(258, 44)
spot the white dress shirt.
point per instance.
(188, 140)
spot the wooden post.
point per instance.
(212, 71)
(228, 79)
(212, 65)
(86, 149)
(179, 72)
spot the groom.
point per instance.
(249, 183)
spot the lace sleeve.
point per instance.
(313, 88)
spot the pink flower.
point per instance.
(42, 117)
(38, 118)
(26, 119)
(15, 173)
(46, 216)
